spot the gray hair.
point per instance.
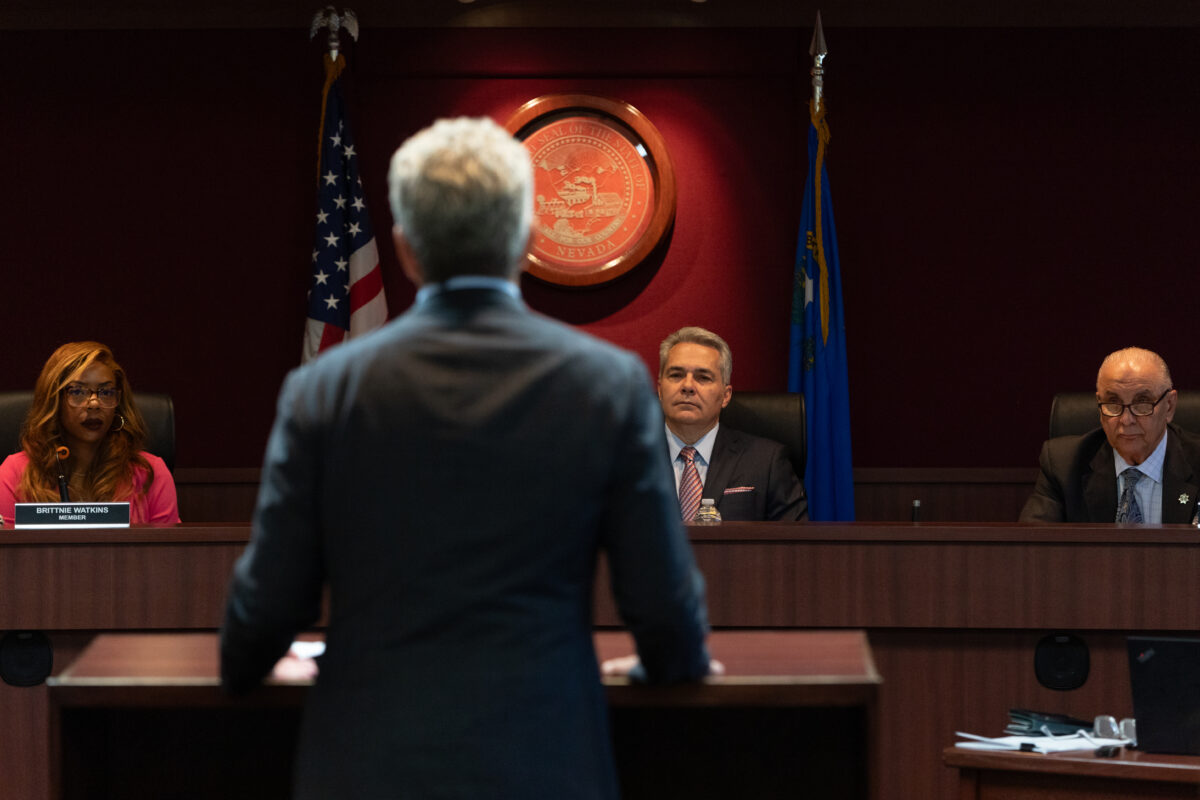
(1137, 354)
(695, 335)
(461, 192)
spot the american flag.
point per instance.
(345, 296)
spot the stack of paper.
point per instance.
(1038, 744)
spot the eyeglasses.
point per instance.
(1140, 408)
(77, 395)
(1107, 727)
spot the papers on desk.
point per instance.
(1081, 740)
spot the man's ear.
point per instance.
(408, 259)
(515, 270)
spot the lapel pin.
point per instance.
(1183, 499)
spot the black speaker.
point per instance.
(1061, 662)
(26, 658)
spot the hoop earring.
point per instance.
(121, 426)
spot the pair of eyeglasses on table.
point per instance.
(1105, 726)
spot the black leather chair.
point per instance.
(1075, 413)
(157, 409)
(774, 415)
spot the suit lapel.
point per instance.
(1179, 481)
(727, 449)
(1100, 487)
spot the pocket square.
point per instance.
(738, 489)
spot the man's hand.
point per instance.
(294, 668)
(618, 667)
(621, 667)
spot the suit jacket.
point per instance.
(751, 478)
(450, 479)
(1078, 482)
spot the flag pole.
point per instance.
(818, 51)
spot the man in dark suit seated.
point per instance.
(435, 479)
(1136, 467)
(748, 477)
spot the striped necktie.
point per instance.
(1128, 509)
(690, 487)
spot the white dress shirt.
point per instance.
(703, 458)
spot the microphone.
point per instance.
(62, 452)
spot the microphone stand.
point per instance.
(60, 453)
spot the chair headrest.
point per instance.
(158, 410)
(1075, 413)
(773, 415)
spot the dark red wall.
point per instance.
(1011, 205)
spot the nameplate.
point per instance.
(71, 515)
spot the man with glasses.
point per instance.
(1136, 467)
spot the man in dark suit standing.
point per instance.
(748, 477)
(450, 480)
(1136, 467)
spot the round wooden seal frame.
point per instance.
(604, 187)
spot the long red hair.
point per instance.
(110, 477)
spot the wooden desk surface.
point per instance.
(728, 531)
(760, 574)
(954, 611)
(829, 668)
(1129, 764)
(796, 708)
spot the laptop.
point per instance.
(1164, 674)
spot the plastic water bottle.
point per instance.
(707, 514)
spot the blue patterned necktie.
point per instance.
(1128, 509)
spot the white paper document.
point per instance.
(1037, 744)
